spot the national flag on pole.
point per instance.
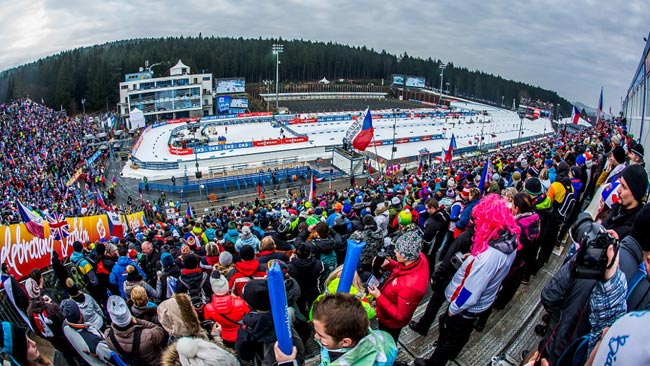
(420, 167)
(575, 115)
(259, 188)
(361, 131)
(452, 146)
(115, 226)
(100, 199)
(32, 220)
(600, 105)
(485, 179)
(312, 188)
(441, 158)
(189, 212)
(59, 228)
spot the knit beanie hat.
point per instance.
(404, 218)
(408, 244)
(638, 150)
(641, 228)
(199, 352)
(347, 208)
(190, 261)
(637, 180)
(225, 258)
(619, 154)
(256, 295)
(166, 260)
(533, 186)
(132, 274)
(219, 283)
(118, 311)
(247, 253)
(245, 232)
(71, 311)
(13, 341)
(395, 201)
(32, 288)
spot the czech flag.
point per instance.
(32, 220)
(115, 226)
(450, 152)
(485, 177)
(575, 115)
(362, 138)
(312, 188)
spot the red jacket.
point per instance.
(243, 272)
(402, 292)
(227, 310)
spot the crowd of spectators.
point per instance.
(40, 150)
(194, 289)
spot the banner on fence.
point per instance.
(23, 251)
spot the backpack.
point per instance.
(85, 269)
(129, 358)
(563, 210)
(329, 262)
(197, 294)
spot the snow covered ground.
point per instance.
(504, 124)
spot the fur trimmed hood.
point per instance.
(194, 351)
(178, 318)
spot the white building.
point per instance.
(179, 95)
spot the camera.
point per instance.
(593, 241)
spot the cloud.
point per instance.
(572, 47)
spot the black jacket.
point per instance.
(630, 256)
(435, 228)
(307, 272)
(621, 220)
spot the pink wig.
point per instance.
(491, 216)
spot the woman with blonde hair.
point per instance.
(141, 307)
(268, 252)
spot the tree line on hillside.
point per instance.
(94, 73)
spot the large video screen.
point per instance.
(225, 86)
(223, 104)
(414, 81)
(239, 103)
(398, 79)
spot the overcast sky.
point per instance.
(570, 46)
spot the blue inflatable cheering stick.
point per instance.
(281, 320)
(350, 265)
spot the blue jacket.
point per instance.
(466, 215)
(118, 274)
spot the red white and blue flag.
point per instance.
(452, 146)
(575, 115)
(100, 199)
(361, 131)
(115, 225)
(33, 222)
(312, 188)
(485, 176)
(59, 228)
(442, 156)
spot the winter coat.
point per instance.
(149, 264)
(374, 239)
(130, 285)
(90, 310)
(466, 215)
(402, 292)
(193, 278)
(280, 242)
(243, 272)
(149, 312)
(206, 263)
(382, 222)
(567, 302)
(166, 287)
(621, 220)
(206, 353)
(376, 349)
(251, 240)
(307, 272)
(265, 256)
(228, 311)
(151, 340)
(232, 235)
(630, 257)
(435, 228)
(118, 273)
(475, 285)
(89, 343)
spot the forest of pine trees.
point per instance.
(94, 73)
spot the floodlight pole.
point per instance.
(442, 73)
(277, 49)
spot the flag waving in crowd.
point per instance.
(361, 131)
(59, 228)
(575, 115)
(32, 220)
(450, 152)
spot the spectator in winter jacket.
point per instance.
(125, 330)
(634, 251)
(118, 273)
(245, 270)
(87, 340)
(105, 257)
(434, 231)
(344, 335)
(268, 252)
(381, 217)
(197, 351)
(632, 189)
(211, 257)
(149, 261)
(225, 309)
(133, 279)
(373, 236)
(192, 277)
(473, 197)
(475, 284)
(166, 284)
(91, 311)
(400, 295)
(307, 270)
(179, 319)
(247, 238)
(141, 307)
